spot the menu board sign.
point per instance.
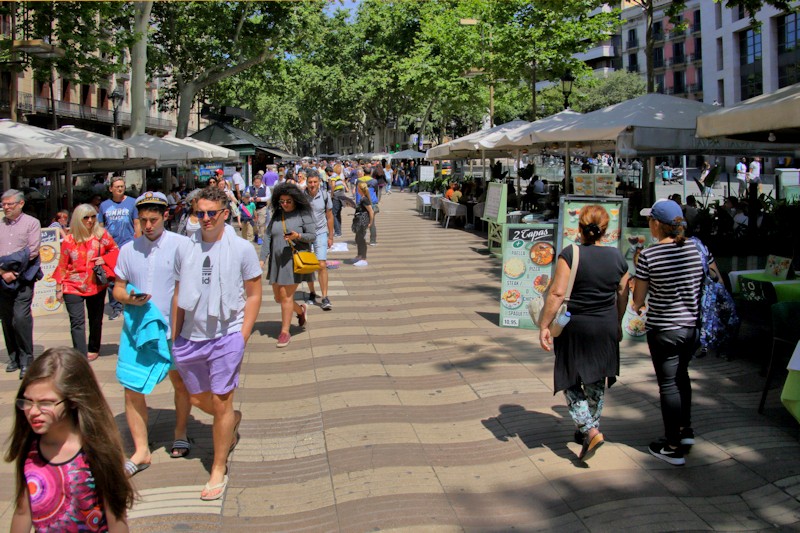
(44, 297)
(617, 209)
(594, 184)
(495, 202)
(528, 266)
(426, 173)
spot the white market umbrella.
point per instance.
(652, 124)
(174, 152)
(408, 154)
(524, 136)
(13, 148)
(135, 156)
(775, 112)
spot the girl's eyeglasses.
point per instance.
(24, 404)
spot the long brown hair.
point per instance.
(75, 381)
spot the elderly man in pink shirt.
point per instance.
(20, 236)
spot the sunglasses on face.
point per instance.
(211, 214)
(89, 217)
(285, 202)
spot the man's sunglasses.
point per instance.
(211, 214)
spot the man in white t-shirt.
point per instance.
(237, 182)
(147, 263)
(754, 177)
(741, 176)
(217, 298)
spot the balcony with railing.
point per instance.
(658, 62)
(632, 43)
(28, 103)
(633, 68)
(696, 87)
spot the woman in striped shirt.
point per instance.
(671, 272)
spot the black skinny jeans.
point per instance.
(361, 243)
(671, 352)
(77, 320)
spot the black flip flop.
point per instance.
(180, 448)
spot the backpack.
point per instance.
(718, 320)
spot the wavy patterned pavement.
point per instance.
(407, 408)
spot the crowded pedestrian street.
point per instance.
(408, 408)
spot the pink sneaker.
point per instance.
(301, 317)
(283, 340)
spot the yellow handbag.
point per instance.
(305, 262)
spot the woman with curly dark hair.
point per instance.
(292, 222)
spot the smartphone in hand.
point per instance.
(139, 296)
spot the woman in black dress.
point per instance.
(587, 351)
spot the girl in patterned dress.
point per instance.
(68, 450)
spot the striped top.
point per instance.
(675, 274)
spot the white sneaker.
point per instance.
(361, 263)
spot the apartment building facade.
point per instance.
(720, 57)
(87, 106)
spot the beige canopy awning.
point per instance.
(754, 119)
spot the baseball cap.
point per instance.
(665, 211)
(152, 198)
(220, 172)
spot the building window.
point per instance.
(750, 75)
(658, 31)
(698, 48)
(720, 54)
(788, 51)
(696, 24)
(678, 55)
(787, 33)
(633, 63)
(659, 82)
(633, 39)
(679, 82)
(66, 90)
(717, 15)
(739, 13)
(658, 57)
(749, 47)
(721, 92)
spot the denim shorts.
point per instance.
(321, 246)
(210, 365)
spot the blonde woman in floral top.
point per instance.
(87, 245)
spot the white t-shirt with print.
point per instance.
(197, 324)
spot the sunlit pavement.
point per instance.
(408, 408)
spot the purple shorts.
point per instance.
(211, 365)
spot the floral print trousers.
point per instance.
(585, 404)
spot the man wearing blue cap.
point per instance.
(145, 284)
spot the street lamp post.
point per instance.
(116, 98)
(566, 87)
(475, 22)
